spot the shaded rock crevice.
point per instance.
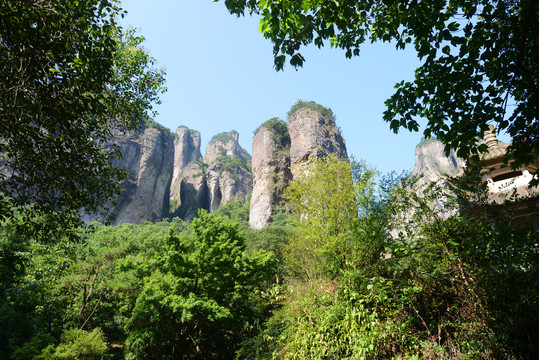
(222, 175)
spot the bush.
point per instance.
(77, 345)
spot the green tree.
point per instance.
(89, 283)
(197, 305)
(274, 238)
(328, 197)
(236, 211)
(460, 287)
(478, 60)
(69, 75)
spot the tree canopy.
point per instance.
(69, 75)
(479, 60)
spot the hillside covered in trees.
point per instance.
(325, 259)
(329, 280)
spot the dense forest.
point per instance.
(356, 267)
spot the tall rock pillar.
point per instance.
(228, 174)
(313, 133)
(188, 190)
(271, 171)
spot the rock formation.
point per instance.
(313, 133)
(186, 149)
(431, 172)
(168, 176)
(223, 175)
(433, 167)
(271, 170)
(229, 170)
(432, 163)
(225, 145)
(187, 188)
(191, 192)
(147, 155)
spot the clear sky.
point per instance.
(220, 77)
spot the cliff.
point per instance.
(271, 171)
(147, 156)
(205, 183)
(229, 175)
(168, 176)
(433, 166)
(188, 190)
(186, 149)
(311, 132)
(432, 163)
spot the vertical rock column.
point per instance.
(271, 171)
(188, 190)
(150, 167)
(313, 135)
(186, 149)
(228, 175)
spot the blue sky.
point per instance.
(220, 77)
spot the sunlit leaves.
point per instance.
(197, 302)
(478, 60)
(69, 76)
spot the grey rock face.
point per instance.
(168, 178)
(193, 192)
(223, 175)
(432, 168)
(313, 135)
(147, 156)
(279, 151)
(152, 180)
(186, 150)
(433, 164)
(225, 145)
(271, 172)
(229, 175)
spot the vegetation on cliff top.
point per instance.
(425, 140)
(231, 164)
(325, 112)
(279, 131)
(223, 137)
(148, 122)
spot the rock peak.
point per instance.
(225, 144)
(314, 133)
(224, 174)
(311, 132)
(271, 170)
(186, 149)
